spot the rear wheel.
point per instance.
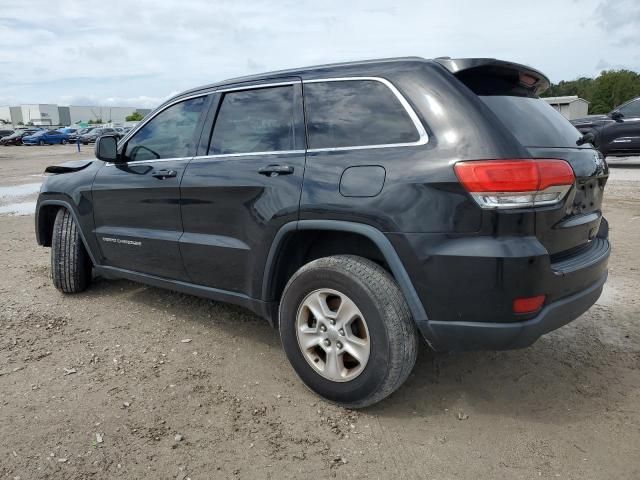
(70, 263)
(347, 331)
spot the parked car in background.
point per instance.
(46, 137)
(16, 137)
(68, 130)
(73, 137)
(616, 133)
(92, 136)
(6, 132)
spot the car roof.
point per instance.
(362, 67)
(376, 67)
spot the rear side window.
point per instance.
(170, 134)
(261, 120)
(355, 113)
(533, 121)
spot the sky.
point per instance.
(139, 52)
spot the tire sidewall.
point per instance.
(376, 370)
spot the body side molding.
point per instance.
(256, 306)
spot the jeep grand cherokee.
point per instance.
(355, 206)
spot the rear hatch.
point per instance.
(547, 134)
(510, 92)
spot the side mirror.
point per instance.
(616, 115)
(588, 137)
(107, 148)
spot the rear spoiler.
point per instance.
(476, 73)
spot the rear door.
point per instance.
(137, 202)
(244, 184)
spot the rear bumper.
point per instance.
(467, 287)
(460, 336)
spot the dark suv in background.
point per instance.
(92, 135)
(618, 132)
(355, 206)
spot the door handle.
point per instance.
(275, 170)
(162, 174)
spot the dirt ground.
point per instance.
(128, 381)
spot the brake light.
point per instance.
(515, 183)
(528, 304)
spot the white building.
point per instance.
(115, 115)
(5, 114)
(570, 106)
(54, 115)
(40, 114)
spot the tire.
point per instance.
(383, 321)
(64, 141)
(70, 263)
(41, 143)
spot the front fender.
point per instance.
(71, 191)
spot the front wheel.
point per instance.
(70, 262)
(42, 143)
(347, 330)
(64, 141)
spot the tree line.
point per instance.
(605, 92)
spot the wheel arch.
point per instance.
(275, 263)
(46, 212)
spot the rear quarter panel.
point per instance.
(421, 192)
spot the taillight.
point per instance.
(515, 183)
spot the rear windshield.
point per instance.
(533, 121)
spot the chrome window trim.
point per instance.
(258, 86)
(423, 137)
(248, 154)
(141, 162)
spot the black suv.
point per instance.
(355, 206)
(95, 133)
(618, 132)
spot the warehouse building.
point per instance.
(570, 106)
(54, 115)
(5, 115)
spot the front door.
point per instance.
(136, 202)
(244, 185)
(624, 134)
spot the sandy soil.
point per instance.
(128, 381)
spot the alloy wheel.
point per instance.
(332, 335)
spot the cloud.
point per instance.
(142, 51)
(614, 15)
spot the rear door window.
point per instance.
(355, 113)
(533, 121)
(260, 120)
